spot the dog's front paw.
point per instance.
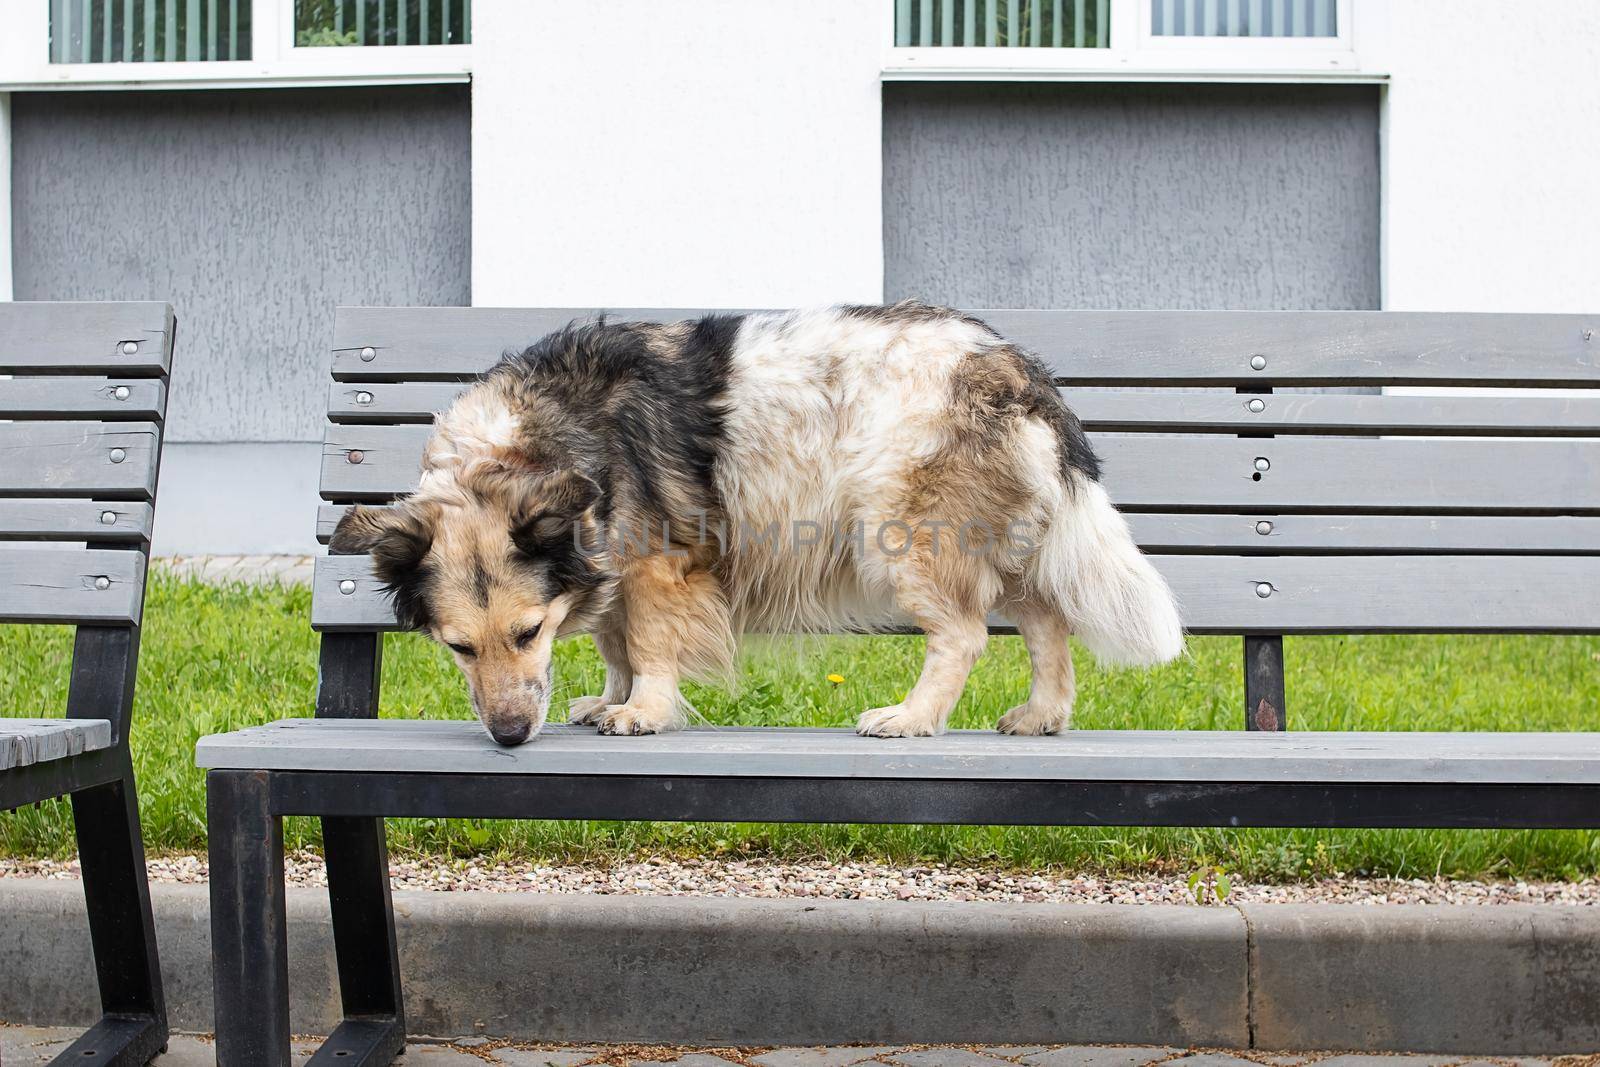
(641, 717)
(896, 721)
(586, 711)
(1031, 721)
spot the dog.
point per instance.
(668, 487)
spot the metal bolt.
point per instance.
(347, 587)
(130, 348)
(1258, 362)
(369, 354)
(1257, 405)
(120, 392)
(356, 455)
(363, 397)
(1263, 589)
(108, 518)
(1263, 527)
(118, 455)
(1263, 464)
(102, 582)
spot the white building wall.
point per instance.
(717, 153)
(1491, 133)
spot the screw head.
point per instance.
(355, 455)
(363, 398)
(1258, 362)
(120, 392)
(1263, 589)
(1263, 464)
(1257, 405)
(118, 455)
(369, 354)
(130, 348)
(108, 518)
(102, 582)
(1263, 527)
(347, 587)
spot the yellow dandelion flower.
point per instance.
(836, 679)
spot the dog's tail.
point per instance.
(1089, 567)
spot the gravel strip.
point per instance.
(863, 881)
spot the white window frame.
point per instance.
(1136, 53)
(275, 60)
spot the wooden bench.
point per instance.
(78, 468)
(1281, 514)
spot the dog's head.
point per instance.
(494, 571)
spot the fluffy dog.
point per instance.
(668, 487)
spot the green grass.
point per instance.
(217, 659)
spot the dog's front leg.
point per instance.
(612, 641)
(672, 609)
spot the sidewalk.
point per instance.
(27, 1046)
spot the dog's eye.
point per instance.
(525, 638)
(463, 650)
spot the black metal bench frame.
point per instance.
(90, 340)
(246, 806)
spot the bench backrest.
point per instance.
(80, 450)
(1270, 513)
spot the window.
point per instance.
(343, 23)
(148, 31)
(1244, 18)
(1002, 23)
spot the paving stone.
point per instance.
(944, 1057)
(1013, 1051)
(1100, 1056)
(1357, 1060)
(836, 1056)
(439, 1055)
(548, 1057)
(702, 1059)
(1215, 1059)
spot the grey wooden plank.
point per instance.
(1166, 473)
(1273, 533)
(1109, 755)
(1173, 412)
(143, 399)
(86, 337)
(1222, 594)
(75, 520)
(63, 585)
(1264, 533)
(79, 459)
(1087, 347)
(28, 741)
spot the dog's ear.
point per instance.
(551, 508)
(398, 538)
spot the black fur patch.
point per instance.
(1077, 454)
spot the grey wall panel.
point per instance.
(254, 213)
(1249, 197)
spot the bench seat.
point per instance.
(24, 742)
(462, 747)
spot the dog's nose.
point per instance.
(510, 733)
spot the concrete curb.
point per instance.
(708, 971)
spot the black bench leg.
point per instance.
(249, 933)
(1263, 683)
(374, 1028)
(133, 1026)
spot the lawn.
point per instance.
(218, 658)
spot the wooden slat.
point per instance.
(1277, 534)
(1213, 473)
(84, 397)
(1114, 348)
(75, 520)
(1274, 534)
(28, 741)
(1219, 594)
(1173, 412)
(76, 459)
(1177, 756)
(54, 338)
(59, 585)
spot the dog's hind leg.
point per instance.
(613, 645)
(1049, 706)
(947, 600)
